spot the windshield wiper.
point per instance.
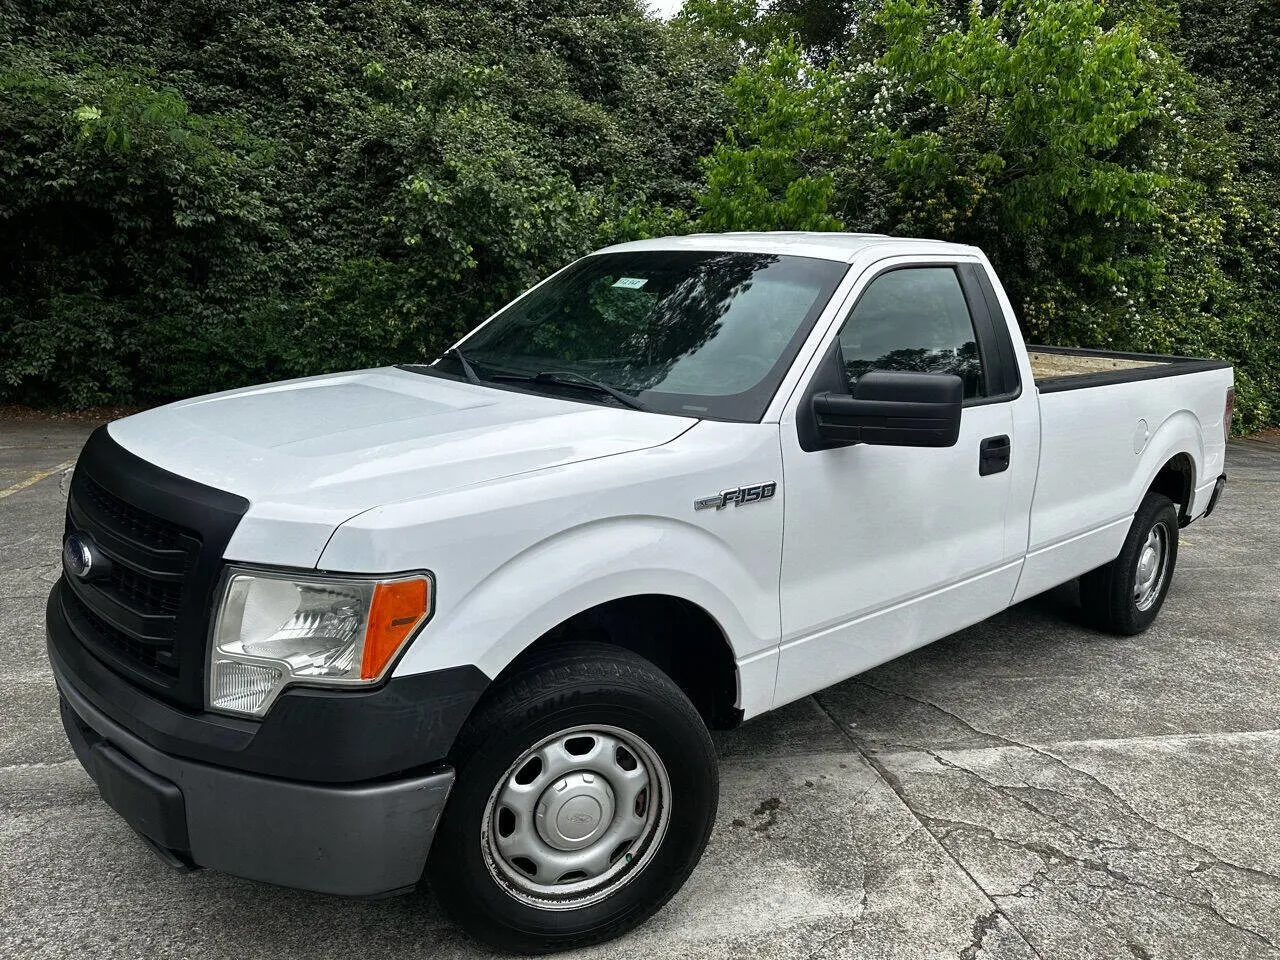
(467, 368)
(569, 378)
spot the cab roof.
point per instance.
(826, 246)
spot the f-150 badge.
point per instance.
(755, 493)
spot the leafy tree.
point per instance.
(1230, 47)
(1038, 133)
(202, 193)
(822, 28)
(764, 174)
(1065, 139)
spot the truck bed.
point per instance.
(1100, 449)
(1072, 368)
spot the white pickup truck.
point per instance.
(473, 620)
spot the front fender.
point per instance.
(515, 558)
(590, 564)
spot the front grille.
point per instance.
(145, 594)
(130, 521)
(131, 614)
(162, 537)
(86, 623)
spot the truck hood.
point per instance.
(309, 454)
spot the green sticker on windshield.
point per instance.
(631, 283)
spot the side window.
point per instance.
(913, 319)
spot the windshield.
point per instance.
(702, 334)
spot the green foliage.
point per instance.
(1041, 135)
(1029, 104)
(823, 28)
(1066, 139)
(203, 193)
(1230, 47)
(760, 177)
(105, 177)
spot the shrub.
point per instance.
(205, 193)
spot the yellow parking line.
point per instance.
(34, 478)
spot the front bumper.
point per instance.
(358, 840)
(332, 792)
(362, 840)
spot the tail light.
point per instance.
(1228, 410)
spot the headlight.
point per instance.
(276, 629)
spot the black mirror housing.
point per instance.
(893, 408)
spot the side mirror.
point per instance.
(893, 408)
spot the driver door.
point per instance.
(887, 548)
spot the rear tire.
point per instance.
(587, 788)
(1124, 596)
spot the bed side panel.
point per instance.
(1100, 449)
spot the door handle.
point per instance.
(993, 455)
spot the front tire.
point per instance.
(1124, 596)
(587, 787)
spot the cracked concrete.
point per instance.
(1023, 789)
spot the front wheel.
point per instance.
(587, 788)
(1124, 596)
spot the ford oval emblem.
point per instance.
(78, 557)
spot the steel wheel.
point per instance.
(576, 817)
(1152, 568)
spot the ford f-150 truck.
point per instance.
(472, 621)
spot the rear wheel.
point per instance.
(1125, 595)
(587, 787)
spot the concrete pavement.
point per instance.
(1025, 788)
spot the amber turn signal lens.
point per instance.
(397, 610)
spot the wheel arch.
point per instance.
(676, 635)
(1176, 480)
(1171, 463)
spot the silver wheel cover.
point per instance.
(576, 817)
(1152, 568)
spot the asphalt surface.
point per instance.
(1025, 788)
